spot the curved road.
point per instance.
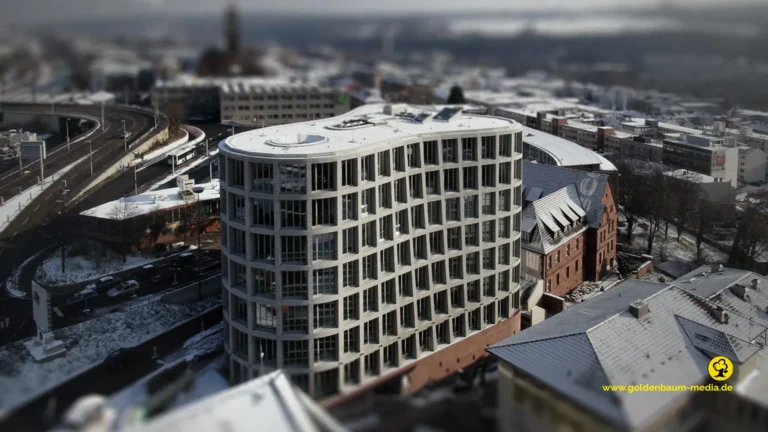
(107, 146)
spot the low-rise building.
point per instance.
(640, 147)
(625, 360)
(149, 219)
(568, 227)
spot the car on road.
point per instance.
(101, 283)
(126, 288)
(199, 118)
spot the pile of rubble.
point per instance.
(582, 291)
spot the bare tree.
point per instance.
(751, 240)
(657, 199)
(686, 194)
(632, 186)
(123, 211)
(700, 219)
(175, 113)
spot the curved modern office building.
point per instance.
(355, 245)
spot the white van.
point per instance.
(125, 288)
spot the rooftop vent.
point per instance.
(639, 308)
(714, 267)
(395, 109)
(754, 284)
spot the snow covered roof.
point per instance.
(565, 152)
(691, 176)
(366, 126)
(152, 201)
(88, 344)
(268, 403)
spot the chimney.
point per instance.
(720, 315)
(639, 308)
(739, 291)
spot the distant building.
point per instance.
(252, 100)
(712, 189)
(233, 60)
(641, 147)
(556, 375)
(121, 78)
(752, 165)
(274, 103)
(713, 156)
(553, 150)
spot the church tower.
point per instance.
(232, 29)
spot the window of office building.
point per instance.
(293, 214)
(262, 177)
(296, 319)
(351, 273)
(469, 175)
(324, 211)
(352, 340)
(263, 212)
(469, 149)
(325, 315)
(324, 246)
(367, 168)
(294, 285)
(324, 176)
(488, 150)
(296, 353)
(349, 172)
(294, 249)
(324, 281)
(263, 283)
(371, 332)
(430, 153)
(293, 178)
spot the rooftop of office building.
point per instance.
(368, 125)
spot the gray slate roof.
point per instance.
(590, 186)
(602, 340)
(553, 211)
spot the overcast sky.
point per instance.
(37, 11)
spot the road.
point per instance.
(123, 185)
(107, 146)
(18, 312)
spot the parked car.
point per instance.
(125, 288)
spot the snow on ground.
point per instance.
(86, 263)
(180, 172)
(88, 343)
(205, 342)
(12, 207)
(670, 256)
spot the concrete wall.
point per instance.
(15, 119)
(191, 292)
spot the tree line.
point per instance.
(645, 194)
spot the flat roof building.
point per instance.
(553, 150)
(356, 245)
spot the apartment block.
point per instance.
(355, 246)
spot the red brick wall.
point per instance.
(570, 278)
(440, 364)
(606, 234)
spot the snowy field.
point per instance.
(86, 263)
(670, 256)
(88, 343)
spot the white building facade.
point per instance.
(355, 245)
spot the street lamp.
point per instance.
(125, 138)
(198, 190)
(66, 124)
(90, 155)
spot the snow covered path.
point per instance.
(11, 208)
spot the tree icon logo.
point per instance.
(720, 368)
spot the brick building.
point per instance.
(568, 226)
